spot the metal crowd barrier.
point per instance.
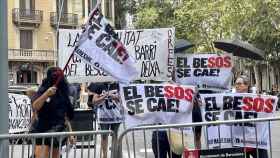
(86, 146)
(139, 143)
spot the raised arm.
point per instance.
(39, 102)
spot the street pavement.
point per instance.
(142, 147)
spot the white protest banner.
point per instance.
(99, 45)
(235, 106)
(153, 50)
(157, 103)
(19, 109)
(204, 70)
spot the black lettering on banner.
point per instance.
(129, 37)
(182, 62)
(145, 52)
(212, 115)
(233, 103)
(130, 107)
(135, 106)
(105, 42)
(73, 43)
(210, 104)
(9, 106)
(153, 91)
(196, 62)
(130, 92)
(237, 101)
(71, 70)
(227, 102)
(83, 55)
(168, 105)
(229, 115)
(182, 72)
(94, 71)
(149, 68)
(206, 72)
(19, 123)
(152, 104)
(183, 69)
(170, 62)
(20, 117)
(245, 115)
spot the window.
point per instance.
(58, 6)
(108, 9)
(26, 39)
(91, 5)
(27, 4)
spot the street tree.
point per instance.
(204, 21)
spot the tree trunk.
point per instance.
(257, 77)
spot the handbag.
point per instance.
(177, 141)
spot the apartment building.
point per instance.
(32, 38)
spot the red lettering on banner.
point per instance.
(219, 62)
(168, 91)
(258, 104)
(189, 94)
(248, 101)
(178, 92)
(269, 105)
(227, 61)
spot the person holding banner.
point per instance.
(105, 96)
(52, 105)
(242, 85)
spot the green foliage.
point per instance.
(153, 14)
(203, 21)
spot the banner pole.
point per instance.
(4, 150)
(72, 54)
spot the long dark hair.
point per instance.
(53, 75)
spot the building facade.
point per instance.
(32, 33)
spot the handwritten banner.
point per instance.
(204, 70)
(153, 50)
(19, 109)
(236, 106)
(157, 103)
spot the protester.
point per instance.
(242, 85)
(160, 143)
(105, 96)
(275, 91)
(53, 108)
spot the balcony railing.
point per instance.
(27, 17)
(66, 20)
(32, 55)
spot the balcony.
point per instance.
(67, 20)
(31, 55)
(27, 17)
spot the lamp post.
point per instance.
(4, 148)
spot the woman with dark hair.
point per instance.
(53, 108)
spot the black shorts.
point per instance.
(109, 126)
(55, 141)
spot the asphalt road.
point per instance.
(142, 147)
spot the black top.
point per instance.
(98, 88)
(53, 111)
